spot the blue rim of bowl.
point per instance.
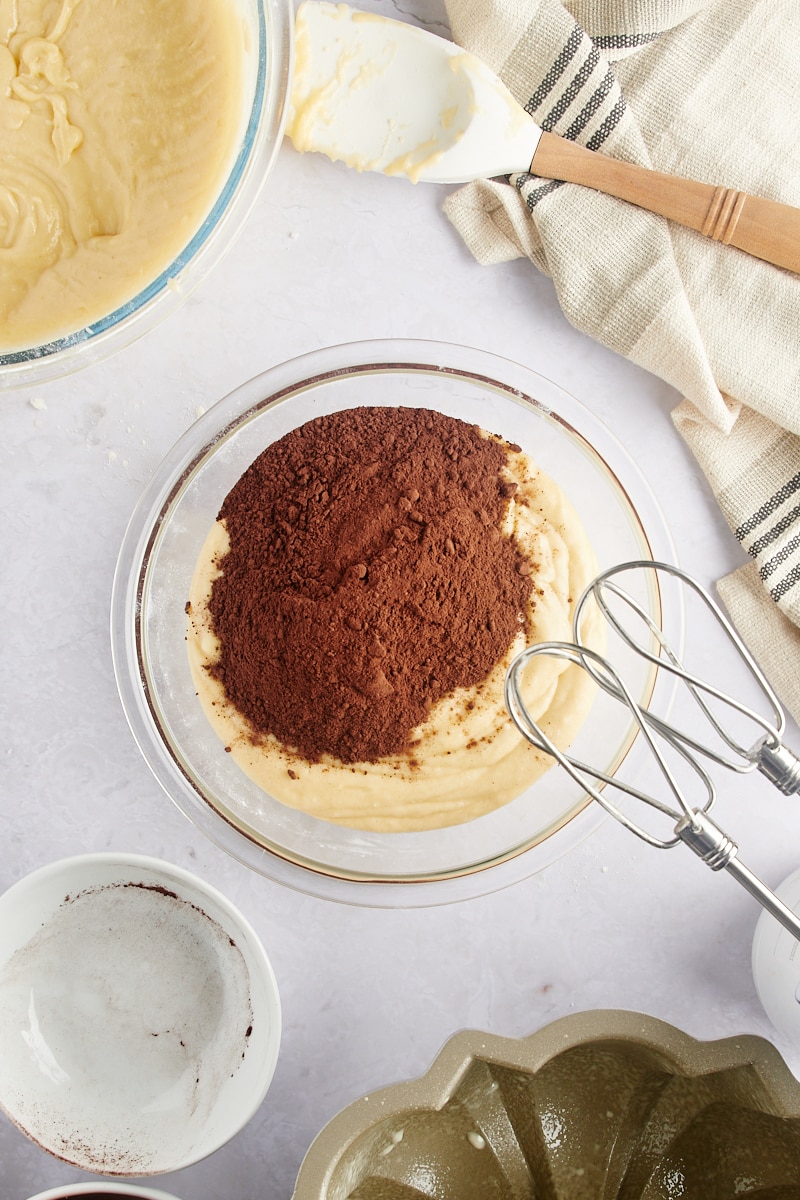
(141, 305)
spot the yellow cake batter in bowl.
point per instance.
(133, 138)
(465, 758)
(315, 829)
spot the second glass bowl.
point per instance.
(266, 78)
(155, 569)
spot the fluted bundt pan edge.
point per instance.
(599, 1105)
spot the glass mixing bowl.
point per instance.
(157, 561)
(269, 47)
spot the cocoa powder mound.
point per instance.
(366, 578)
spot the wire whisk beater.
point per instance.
(724, 731)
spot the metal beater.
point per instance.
(672, 748)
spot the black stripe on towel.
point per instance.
(537, 194)
(777, 560)
(590, 108)
(769, 537)
(595, 141)
(591, 61)
(769, 506)
(608, 126)
(556, 71)
(785, 585)
(624, 41)
(568, 96)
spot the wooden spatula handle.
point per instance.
(764, 228)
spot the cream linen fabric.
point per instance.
(708, 89)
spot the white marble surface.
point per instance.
(369, 996)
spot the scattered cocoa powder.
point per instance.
(366, 578)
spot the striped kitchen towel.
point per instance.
(707, 89)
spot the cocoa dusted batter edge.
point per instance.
(367, 577)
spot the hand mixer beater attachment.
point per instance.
(678, 753)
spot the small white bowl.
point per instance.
(139, 1014)
(102, 1191)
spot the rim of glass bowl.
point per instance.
(508, 380)
(261, 140)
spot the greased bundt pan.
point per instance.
(595, 1106)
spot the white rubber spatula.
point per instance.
(381, 95)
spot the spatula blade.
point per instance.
(382, 95)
